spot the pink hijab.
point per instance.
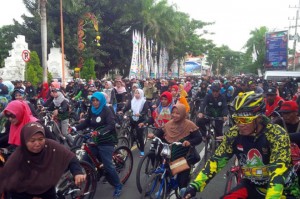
(23, 114)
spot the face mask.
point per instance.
(89, 97)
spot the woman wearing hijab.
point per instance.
(139, 116)
(179, 129)
(162, 114)
(101, 118)
(177, 98)
(121, 92)
(36, 166)
(182, 91)
(44, 92)
(111, 95)
(18, 113)
(60, 108)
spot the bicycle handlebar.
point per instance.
(212, 118)
(163, 143)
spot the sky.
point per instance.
(234, 19)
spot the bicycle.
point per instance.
(161, 182)
(122, 159)
(55, 129)
(195, 105)
(148, 163)
(4, 154)
(66, 187)
(84, 136)
(130, 133)
(210, 142)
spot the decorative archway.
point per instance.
(87, 18)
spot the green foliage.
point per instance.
(49, 77)
(88, 70)
(158, 20)
(34, 71)
(256, 39)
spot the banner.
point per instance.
(276, 57)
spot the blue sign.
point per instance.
(276, 57)
(192, 68)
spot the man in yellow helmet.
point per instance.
(262, 150)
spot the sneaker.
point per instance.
(117, 191)
(158, 195)
(142, 153)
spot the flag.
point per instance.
(254, 54)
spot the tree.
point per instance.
(256, 43)
(33, 70)
(88, 70)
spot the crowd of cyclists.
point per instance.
(263, 120)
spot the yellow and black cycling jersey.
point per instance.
(265, 159)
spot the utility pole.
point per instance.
(296, 35)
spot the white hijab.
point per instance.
(137, 104)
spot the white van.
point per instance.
(279, 76)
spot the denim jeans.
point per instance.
(104, 153)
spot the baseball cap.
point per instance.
(289, 106)
(271, 91)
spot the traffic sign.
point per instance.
(26, 56)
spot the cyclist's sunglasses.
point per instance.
(8, 115)
(244, 120)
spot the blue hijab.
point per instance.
(101, 98)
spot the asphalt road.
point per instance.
(213, 190)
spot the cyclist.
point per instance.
(111, 94)
(162, 114)
(180, 129)
(290, 120)
(19, 94)
(259, 146)
(177, 98)
(139, 118)
(272, 100)
(36, 166)
(214, 105)
(60, 108)
(202, 90)
(121, 92)
(101, 118)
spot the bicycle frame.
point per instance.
(90, 154)
(162, 169)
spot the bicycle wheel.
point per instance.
(123, 141)
(155, 187)
(210, 147)
(231, 182)
(66, 188)
(123, 160)
(146, 167)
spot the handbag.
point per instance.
(179, 165)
